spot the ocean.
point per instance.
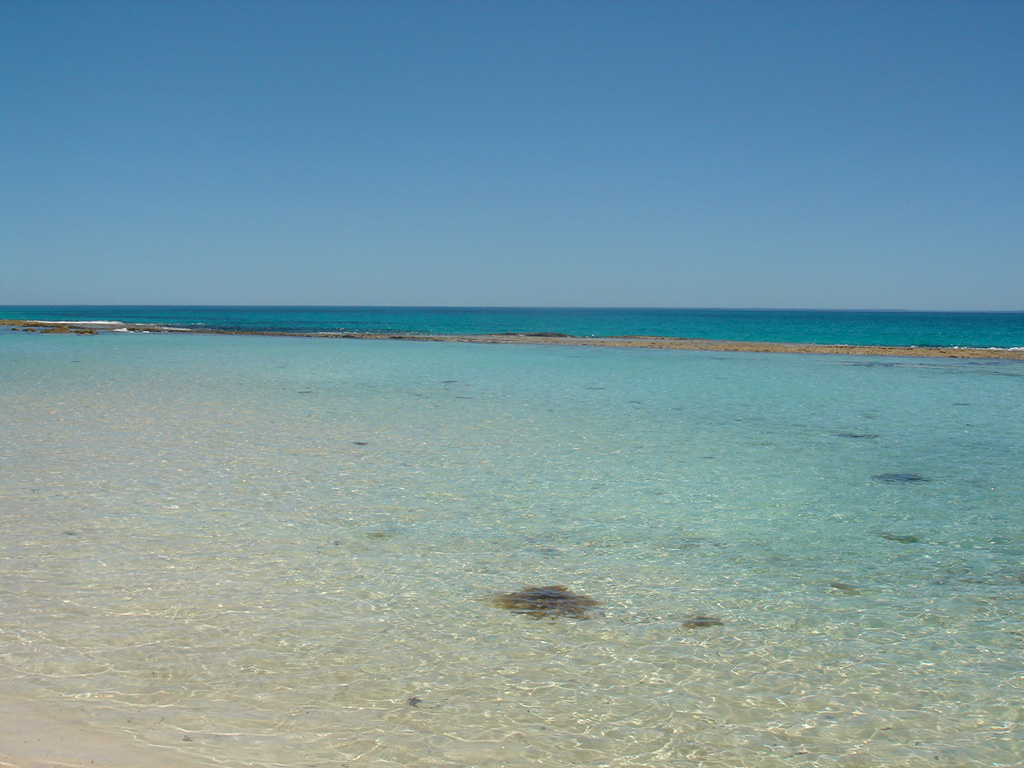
(275, 551)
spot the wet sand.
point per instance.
(645, 342)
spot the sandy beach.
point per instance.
(644, 342)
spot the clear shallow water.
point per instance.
(939, 329)
(194, 545)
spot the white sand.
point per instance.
(33, 736)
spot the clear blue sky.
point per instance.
(675, 154)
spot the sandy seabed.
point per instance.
(33, 735)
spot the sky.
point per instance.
(756, 154)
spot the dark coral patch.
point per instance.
(696, 622)
(552, 600)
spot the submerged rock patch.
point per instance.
(901, 477)
(696, 622)
(553, 600)
(900, 538)
(846, 589)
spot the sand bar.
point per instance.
(645, 342)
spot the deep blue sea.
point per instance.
(286, 552)
(933, 329)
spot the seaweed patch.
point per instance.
(552, 600)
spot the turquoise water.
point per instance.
(280, 552)
(939, 329)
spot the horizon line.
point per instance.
(528, 307)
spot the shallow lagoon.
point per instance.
(286, 551)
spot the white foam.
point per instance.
(994, 349)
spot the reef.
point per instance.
(551, 337)
(552, 600)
